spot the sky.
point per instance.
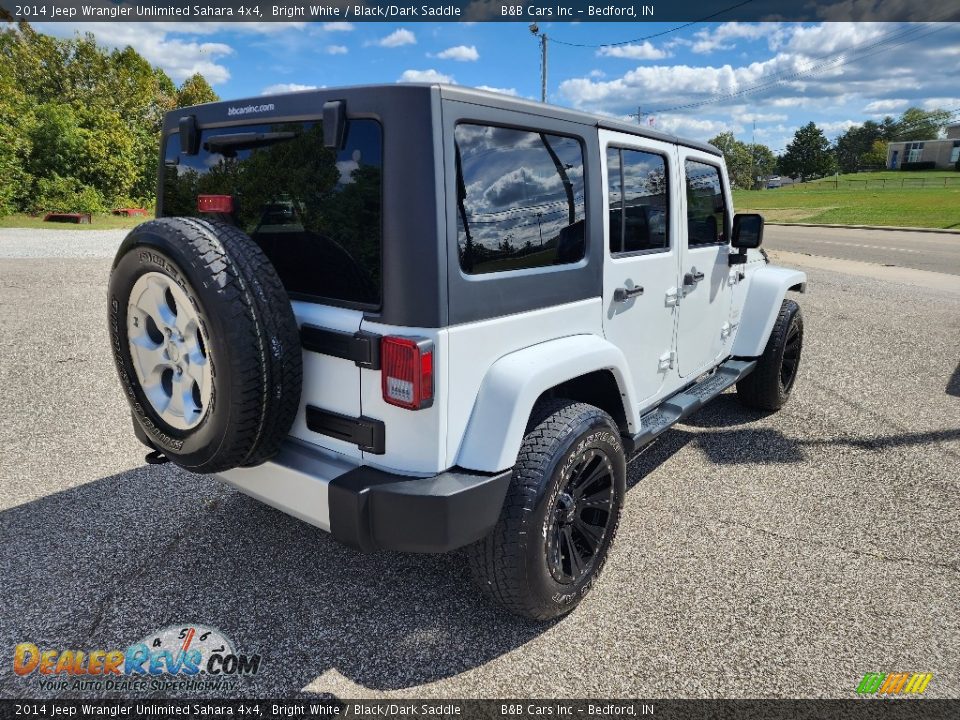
(757, 80)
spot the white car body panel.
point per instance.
(513, 384)
(475, 347)
(768, 285)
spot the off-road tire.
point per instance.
(248, 324)
(511, 565)
(767, 388)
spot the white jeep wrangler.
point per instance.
(428, 317)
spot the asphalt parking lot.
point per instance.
(778, 555)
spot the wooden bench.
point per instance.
(77, 218)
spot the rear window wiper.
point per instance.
(246, 141)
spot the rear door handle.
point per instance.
(693, 278)
(624, 294)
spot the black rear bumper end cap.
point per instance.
(375, 510)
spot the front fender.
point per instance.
(515, 381)
(768, 287)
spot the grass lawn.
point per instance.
(99, 222)
(853, 204)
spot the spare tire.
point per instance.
(205, 342)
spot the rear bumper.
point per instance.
(370, 509)
(374, 510)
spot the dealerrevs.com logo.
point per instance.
(187, 657)
(896, 683)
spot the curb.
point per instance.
(890, 228)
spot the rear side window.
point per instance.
(315, 212)
(706, 207)
(520, 199)
(637, 201)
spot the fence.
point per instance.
(879, 183)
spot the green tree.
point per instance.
(917, 124)
(82, 120)
(195, 91)
(15, 121)
(764, 161)
(856, 142)
(808, 155)
(737, 158)
(876, 157)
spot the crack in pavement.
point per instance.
(952, 567)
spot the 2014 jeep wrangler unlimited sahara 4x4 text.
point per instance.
(426, 317)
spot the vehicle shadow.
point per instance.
(953, 384)
(102, 565)
(728, 442)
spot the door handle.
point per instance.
(693, 278)
(624, 294)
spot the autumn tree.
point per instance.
(195, 91)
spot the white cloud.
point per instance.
(425, 76)
(693, 127)
(854, 83)
(338, 27)
(336, 50)
(503, 91)
(644, 51)
(833, 128)
(179, 58)
(941, 103)
(285, 88)
(885, 106)
(724, 37)
(597, 74)
(752, 117)
(461, 53)
(397, 38)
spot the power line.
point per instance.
(654, 35)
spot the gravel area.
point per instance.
(30, 243)
(779, 555)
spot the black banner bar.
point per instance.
(639, 11)
(853, 709)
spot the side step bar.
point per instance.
(686, 402)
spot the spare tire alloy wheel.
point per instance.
(205, 343)
(168, 351)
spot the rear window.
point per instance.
(519, 199)
(315, 212)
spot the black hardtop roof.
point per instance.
(494, 100)
(508, 102)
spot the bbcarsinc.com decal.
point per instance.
(179, 657)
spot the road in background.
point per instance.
(938, 252)
(759, 555)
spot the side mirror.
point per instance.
(747, 231)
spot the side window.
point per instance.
(520, 199)
(706, 206)
(638, 201)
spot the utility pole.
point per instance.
(535, 29)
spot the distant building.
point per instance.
(942, 153)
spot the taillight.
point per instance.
(407, 372)
(215, 204)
